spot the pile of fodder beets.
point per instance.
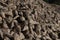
(28, 20)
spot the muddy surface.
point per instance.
(29, 20)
